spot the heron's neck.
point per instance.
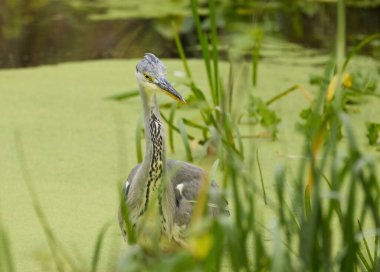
(152, 172)
(155, 158)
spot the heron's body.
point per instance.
(160, 194)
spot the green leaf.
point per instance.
(373, 130)
(260, 112)
(124, 96)
(305, 113)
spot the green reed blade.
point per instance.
(360, 46)
(340, 50)
(375, 257)
(371, 259)
(56, 248)
(226, 129)
(185, 140)
(98, 246)
(124, 213)
(257, 38)
(364, 261)
(214, 169)
(171, 130)
(307, 202)
(181, 52)
(124, 96)
(214, 262)
(279, 176)
(348, 228)
(261, 176)
(231, 173)
(204, 44)
(282, 94)
(278, 257)
(293, 216)
(215, 52)
(230, 88)
(193, 124)
(6, 257)
(239, 138)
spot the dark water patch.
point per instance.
(32, 34)
(57, 32)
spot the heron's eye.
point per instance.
(147, 77)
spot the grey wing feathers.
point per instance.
(129, 180)
(125, 196)
(186, 183)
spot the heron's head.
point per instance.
(151, 75)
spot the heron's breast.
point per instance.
(156, 165)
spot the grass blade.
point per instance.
(171, 130)
(358, 47)
(56, 248)
(215, 53)
(181, 52)
(98, 247)
(201, 202)
(230, 88)
(282, 94)
(185, 140)
(204, 44)
(261, 176)
(124, 96)
(377, 261)
(6, 258)
(371, 259)
(193, 124)
(257, 37)
(340, 49)
(125, 219)
(364, 261)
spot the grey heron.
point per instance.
(159, 193)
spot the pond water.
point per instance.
(79, 145)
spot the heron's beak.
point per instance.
(168, 89)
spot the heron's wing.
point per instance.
(126, 187)
(129, 180)
(187, 180)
